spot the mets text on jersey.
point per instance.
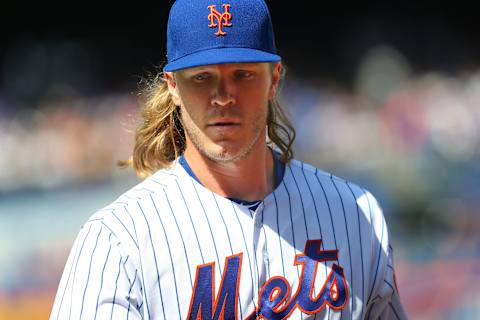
(273, 299)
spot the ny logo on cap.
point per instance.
(223, 19)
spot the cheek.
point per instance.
(259, 96)
(266, 89)
(188, 117)
(192, 101)
(195, 102)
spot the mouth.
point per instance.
(223, 123)
(224, 127)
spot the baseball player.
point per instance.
(226, 225)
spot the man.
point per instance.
(226, 224)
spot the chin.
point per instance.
(224, 153)
(224, 150)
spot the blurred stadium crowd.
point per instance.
(62, 142)
(412, 138)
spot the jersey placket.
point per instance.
(259, 251)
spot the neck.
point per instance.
(250, 178)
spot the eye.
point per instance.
(201, 77)
(244, 74)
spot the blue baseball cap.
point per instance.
(203, 32)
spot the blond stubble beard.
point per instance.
(198, 139)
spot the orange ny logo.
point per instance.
(223, 19)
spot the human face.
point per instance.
(224, 107)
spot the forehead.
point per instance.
(225, 67)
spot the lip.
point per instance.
(223, 123)
(223, 126)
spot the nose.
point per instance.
(224, 92)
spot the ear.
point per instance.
(172, 88)
(276, 76)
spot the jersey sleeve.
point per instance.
(385, 299)
(99, 281)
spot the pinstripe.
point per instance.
(361, 245)
(319, 226)
(75, 272)
(348, 240)
(301, 202)
(378, 261)
(293, 231)
(132, 198)
(224, 224)
(278, 233)
(103, 272)
(181, 237)
(371, 221)
(377, 297)
(331, 218)
(126, 229)
(159, 183)
(291, 222)
(116, 286)
(170, 254)
(369, 208)
(144, 189)
(167, 173)
(389, 284)
(314, 203)
(329, 208)
(156, 266)
(104, 225)
(191, 221)
(246, 248)
(230, 244)
(291, 216)
(75, 258)
(330, 213)
(394, 311)
(136, 237)
(142, 285)
(209, 227)
(88, 275)
(129, 292)
(133, 223)
(369, 311)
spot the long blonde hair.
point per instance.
(160, 137)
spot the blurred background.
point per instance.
(384, 94)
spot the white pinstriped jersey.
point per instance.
(315, 248)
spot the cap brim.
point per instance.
(221, 55)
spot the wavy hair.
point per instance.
(160, 137)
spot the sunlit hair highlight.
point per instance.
(160, 137)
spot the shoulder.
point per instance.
(333, 189)
(345, 202)
(126, 217)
